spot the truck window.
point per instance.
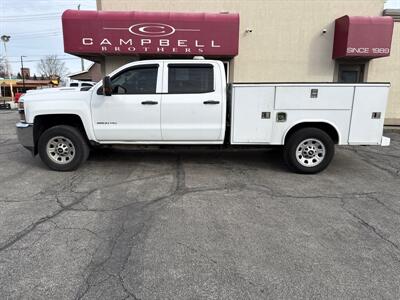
(190, 78)
(87, 84)
(137, 80)
(74, 84)
(351, 73)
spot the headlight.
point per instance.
(21, 110)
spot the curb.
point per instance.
(391, 129)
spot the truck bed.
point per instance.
(355, 111)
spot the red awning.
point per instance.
(362, 37)
(95, 33)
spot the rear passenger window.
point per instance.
(184, 78)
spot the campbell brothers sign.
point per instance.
(101, 33)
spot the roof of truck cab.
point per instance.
(314, 84)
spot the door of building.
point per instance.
(351, 73)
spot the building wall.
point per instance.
(114, 62)
(388, 69)
(93, 74)
(287, 43)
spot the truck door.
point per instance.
(192, 103)
(132, 112)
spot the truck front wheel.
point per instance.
(308, 150)
(62, 148)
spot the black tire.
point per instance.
(77, 153)
(294, 145)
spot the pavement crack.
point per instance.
(126, 290)
(21, 234)
(365, 157)
(180, 176)
(27, 230)
(198, 251)
(373, 197)
(370, 227)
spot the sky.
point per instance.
(35, 30)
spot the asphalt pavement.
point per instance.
(199, 225)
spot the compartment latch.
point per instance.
(376, 115)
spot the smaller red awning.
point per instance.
(362, 37)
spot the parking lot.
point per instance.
(199, 225)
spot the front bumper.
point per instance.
(25, 135)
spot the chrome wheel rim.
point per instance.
(310, 152)
(60, 150)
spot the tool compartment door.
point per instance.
(314, 97)
(368, 115)
(252, 114)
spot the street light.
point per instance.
(6, 39)
(22, 73)
(82, 62)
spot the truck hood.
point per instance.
(56, 94)
(57, 101)
(52, 90)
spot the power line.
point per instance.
(31, 15)
(23, 38)
(47, 54)
(35, 33)
(34, 60)
(45, 34)
(30, 19)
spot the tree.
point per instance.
(19, 76)
(4, 67)
(51, 67)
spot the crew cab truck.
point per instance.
(188, 102)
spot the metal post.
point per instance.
(82, 62)
(23, 76)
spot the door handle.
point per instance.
(211, 102)
(149, 102)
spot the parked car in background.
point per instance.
(81, 84)
(17, 96)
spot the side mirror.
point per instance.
(107, 86)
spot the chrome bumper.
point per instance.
(25, 135)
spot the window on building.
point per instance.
(138, 80)
(351, 73)
(184, 78)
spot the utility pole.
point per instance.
(82, 62)
(23, 75)
(5, 39)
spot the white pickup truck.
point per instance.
(188, 102)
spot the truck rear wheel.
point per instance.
(308, 151)
(63, 148)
